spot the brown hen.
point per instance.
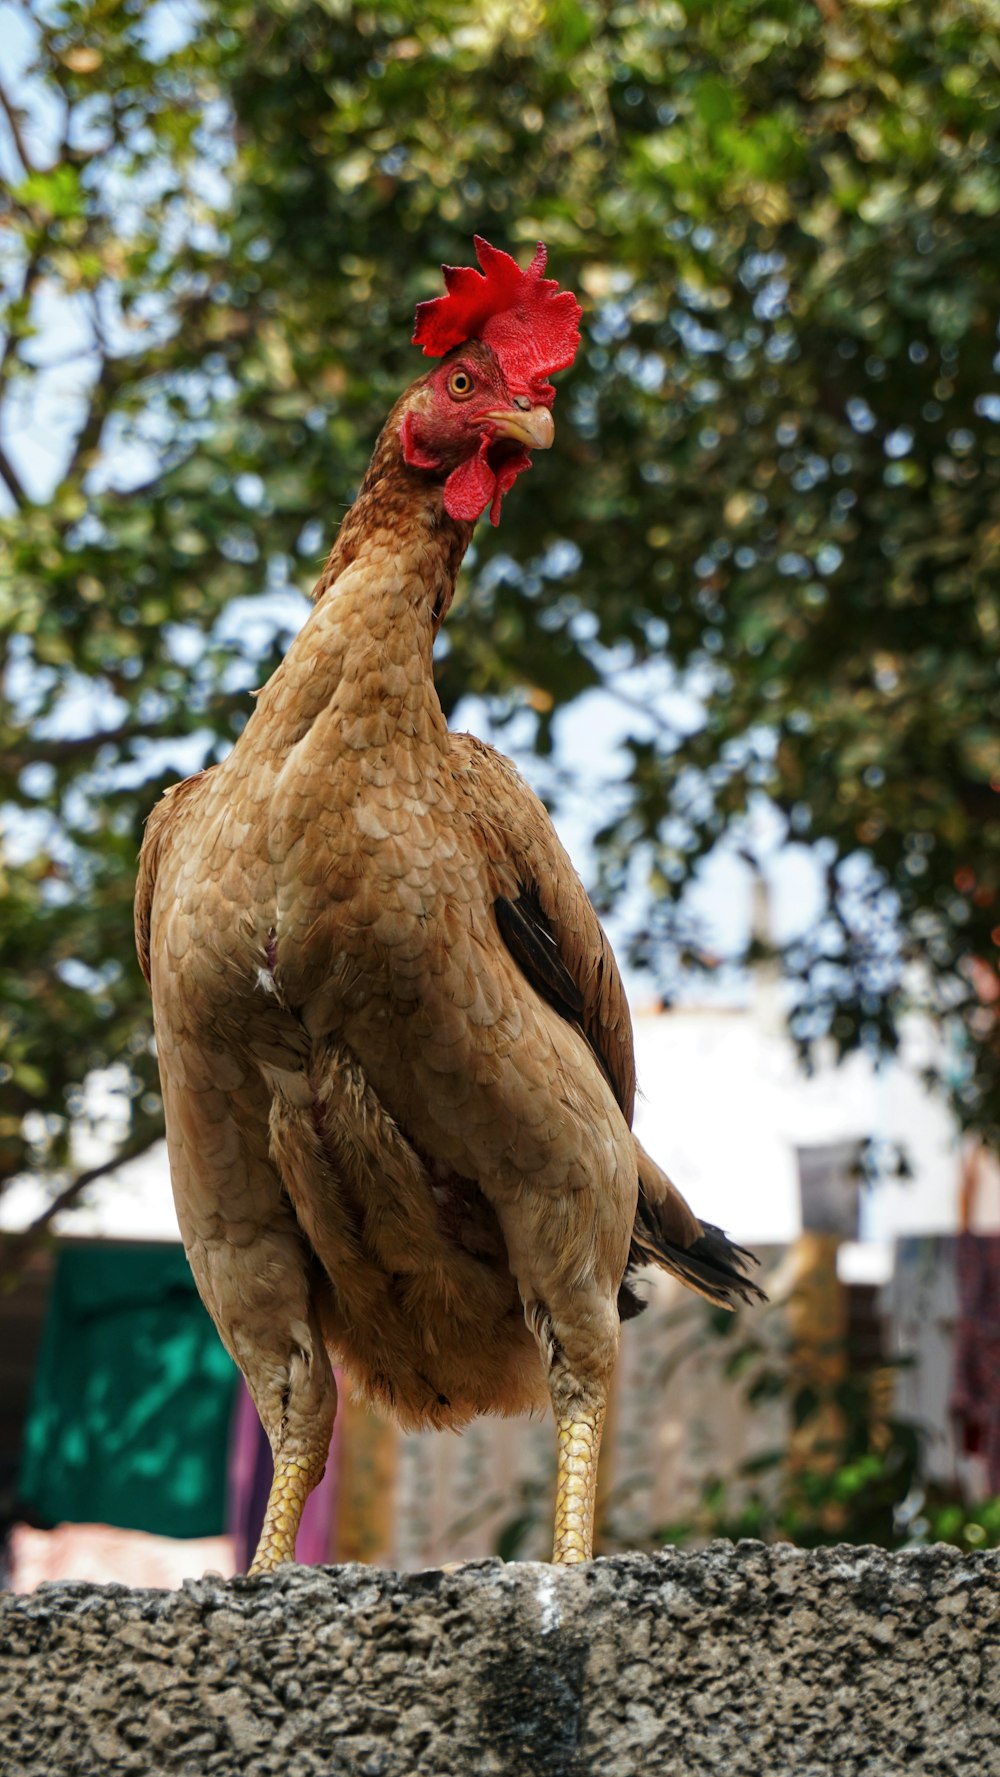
(395, 1049)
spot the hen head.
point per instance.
(502, 333)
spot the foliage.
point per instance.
(778, 462)
(851, 1472)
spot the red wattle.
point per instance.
(506, 476)
(470, 488)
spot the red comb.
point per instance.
(532, 325)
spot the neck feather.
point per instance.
(407, 504)
(380, 600)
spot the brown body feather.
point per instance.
(395, 1048)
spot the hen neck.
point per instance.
(365, 653)
(406, 503)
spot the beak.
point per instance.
(532, 426)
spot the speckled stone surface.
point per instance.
(735, 1659)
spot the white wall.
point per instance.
(724, 1106)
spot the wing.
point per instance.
(159, 826)
(551, 930)
(544, 914)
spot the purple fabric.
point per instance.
(250, 1471)
(975, 1398)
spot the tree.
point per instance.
(778, 465)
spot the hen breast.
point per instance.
(461, 1128)
(452, 1153)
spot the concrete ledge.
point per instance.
(735, 1659)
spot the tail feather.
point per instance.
(713, 1266)
(668, 1234)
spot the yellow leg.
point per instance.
(576, 1485)
(294, 1479)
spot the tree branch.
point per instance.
(67, 748)
(31, 270)
(15, 1246)
(14, 125)
(9, 474)
(89, 436)
(117, 373)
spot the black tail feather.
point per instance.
(713, 1265)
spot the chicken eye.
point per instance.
(460, 384)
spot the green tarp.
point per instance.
(130, 1414)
